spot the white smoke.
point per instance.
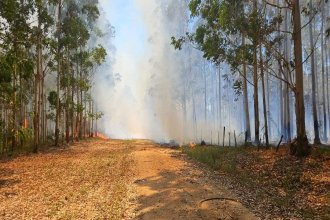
(159, 87)
(141, 104)
(152, 91)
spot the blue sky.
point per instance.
(127, 20)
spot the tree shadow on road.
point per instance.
(177, 195)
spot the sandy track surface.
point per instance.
(113, 179)
(171, 187)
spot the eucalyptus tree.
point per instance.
(32, 44)
(324, 63)
(58, 34)
(40, 32)
(326, 19)
(75, 23)
(17, 62)
(255, 35)
(313, 74)
(296, 82)
(75, 37)
(224, 22)
(214, 35)
(286, 130)
(302, 147)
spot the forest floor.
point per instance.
(272, 183)
(113, 179)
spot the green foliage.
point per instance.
(27, 28)
(52, 97)
(75, 33)
(220, 158)
(99, 115)
(16, 15)
(220, 29)
(79, 108)
(99, 54)
(83, 85)
(25, 134)
(26, 68)
(96, 116)
(91, 11)
(5, 71)
(238, 86)
(177, 43)
(194, 7)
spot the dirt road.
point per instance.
(171, 187)
(113, 179)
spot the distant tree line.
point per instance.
(265, 39)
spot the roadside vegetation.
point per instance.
(273, 181)
(50, 52)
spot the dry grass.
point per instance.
(274, 183)
(90, 180)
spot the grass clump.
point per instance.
(220, 158)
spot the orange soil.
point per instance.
(113, 179)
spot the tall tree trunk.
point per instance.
(205, 100)
(36, 102)
(72, 106)
(327, 81)
(36, 119)
(93, 116)
(81, 105)
(313, 73)
(256, 95)
(21, 112)
(14, 119)
(302, 148)
(246, 100)
(281, 112)
(67, 101)
(96, 119)
(90, 119)
(78, 119)
(327, 54)
(45, 120)
(194, 116)
(42, 106)
(67, 120)
(58, 112)
(268, 106)
(264, 96)
(219, 97)
(325, 132)
(286, 100)
(255, 84)
(85, 113)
